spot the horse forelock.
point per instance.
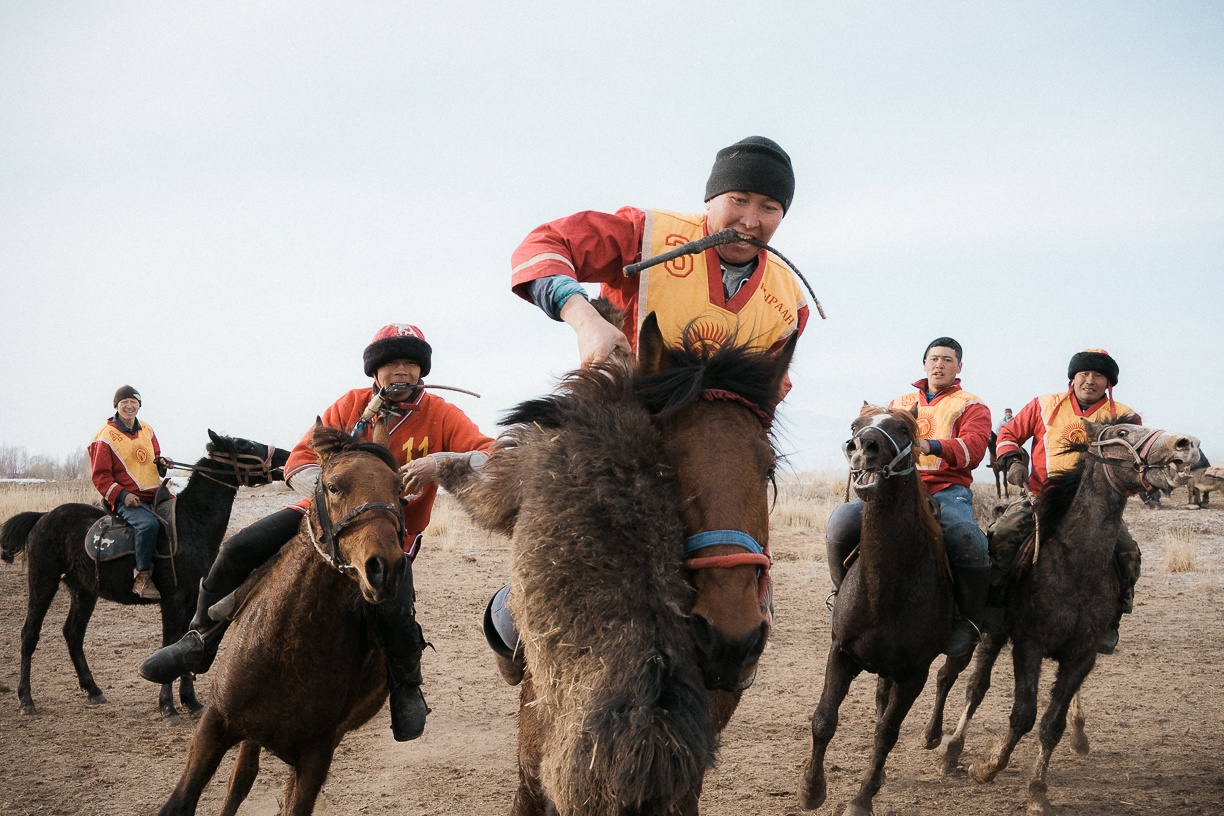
(328, 442)
(749, 374)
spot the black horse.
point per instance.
(54, 543)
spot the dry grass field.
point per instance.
(1155, 707)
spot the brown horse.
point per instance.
(54, 544)
(1062, 604)
(631, 670)
(894, 610)
(302, 669)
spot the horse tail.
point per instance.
(643, 746)
(15, 532)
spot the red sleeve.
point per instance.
(102, 470)
(1022, 428)
(971, 434)
(591, 247)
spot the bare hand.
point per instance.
(597, 338)
(131, 501)
(923, 446)
(418, 475)
(1017, 474)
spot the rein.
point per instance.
(1138, 461)
(727, 236)
(330, 533)
(754, 555)
(243, 466)
(891, 468)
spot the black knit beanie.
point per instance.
(753, 165)
(1097, 360)
(126, 392)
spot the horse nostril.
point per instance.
(1183, 443)
(376, 571)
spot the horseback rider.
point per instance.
(1052, 421)
(955, 426)
(399, 414)
(126, 466)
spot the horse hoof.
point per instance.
(194, 708)
(98, 699)
(28, 709)
(931, 743)
(172, 718)
(979, 774)
(812, 789)
(858, 810)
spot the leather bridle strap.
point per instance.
(330, 533)
(902, 453)
(754, 555)
(1138, 462)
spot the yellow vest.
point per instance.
(936, 421)
(686, 293)
(135, 453)
(1063, 426)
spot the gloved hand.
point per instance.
(1017, 473)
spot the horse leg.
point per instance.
(43, 584)
(840, 671)
(309, 774)
(948, 673)
(208, 745)
(172, 630)
(901, 696)
(242, 777)
(1079, 737)
(975, 691)
(79, 613)
(529, 799)
(1070, 676)
(1026, 663)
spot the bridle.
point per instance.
(754, 554)
(330, 533)
(245, 467)
(1137, 461)
(892, 468)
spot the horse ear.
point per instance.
(652, 351)
(868, 409)
(1093, 430)
(782, 360)
(914, 410)
(214, 436)
(323, 441)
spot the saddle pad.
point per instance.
(110, 537)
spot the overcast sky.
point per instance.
(219, 203)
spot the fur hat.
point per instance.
(1097, 360)
(397, 341)
(126, 392)
(754, 165)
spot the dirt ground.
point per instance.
(1154, 708)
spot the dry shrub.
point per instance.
(18, 497)
(1181, 548)
(805, 500)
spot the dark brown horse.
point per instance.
(633, 663)
(894, 610)
(1061, 606)
(302, 669)
(54, 544)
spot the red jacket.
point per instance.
(429, 424)
(960, 422)
(595, 247)
(122, 461)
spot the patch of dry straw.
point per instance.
(18, 497)
(1181, 548)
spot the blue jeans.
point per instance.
(147, 528)
(963, 539)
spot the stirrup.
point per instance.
(829, 600)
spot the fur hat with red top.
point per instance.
(397, 341)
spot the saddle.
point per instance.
(110, 537)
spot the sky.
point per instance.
(220, 203)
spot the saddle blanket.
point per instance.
(110, 537)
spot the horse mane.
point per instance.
(332, 441)
(1059, 491)
(695, 367)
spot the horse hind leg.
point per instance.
(975, 691)
(79, 613)
(840, 671)
(43, 584)
(1026, 664)
(242, 777)
(1053, 723)
(948, 674)
(1079, 736)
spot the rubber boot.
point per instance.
(1110, 640)
(837, 552)
(970, 587)
(195, 651)
(403, 642)
(503, 638)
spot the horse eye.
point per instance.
(332, 489)
(1123, 432)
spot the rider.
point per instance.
(1052, 422)
(734, 292)
(398, 413)
(126, 467)
(955, 427)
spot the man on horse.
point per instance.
(955, 427)
(1053, 422)
(126, 466)
(733, 293)
(399, 414)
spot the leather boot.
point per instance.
(403, 642)
(838, 552)
(502, 637)
(970, 587)
(142, 585)
(195, 651)
(1110, 640)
